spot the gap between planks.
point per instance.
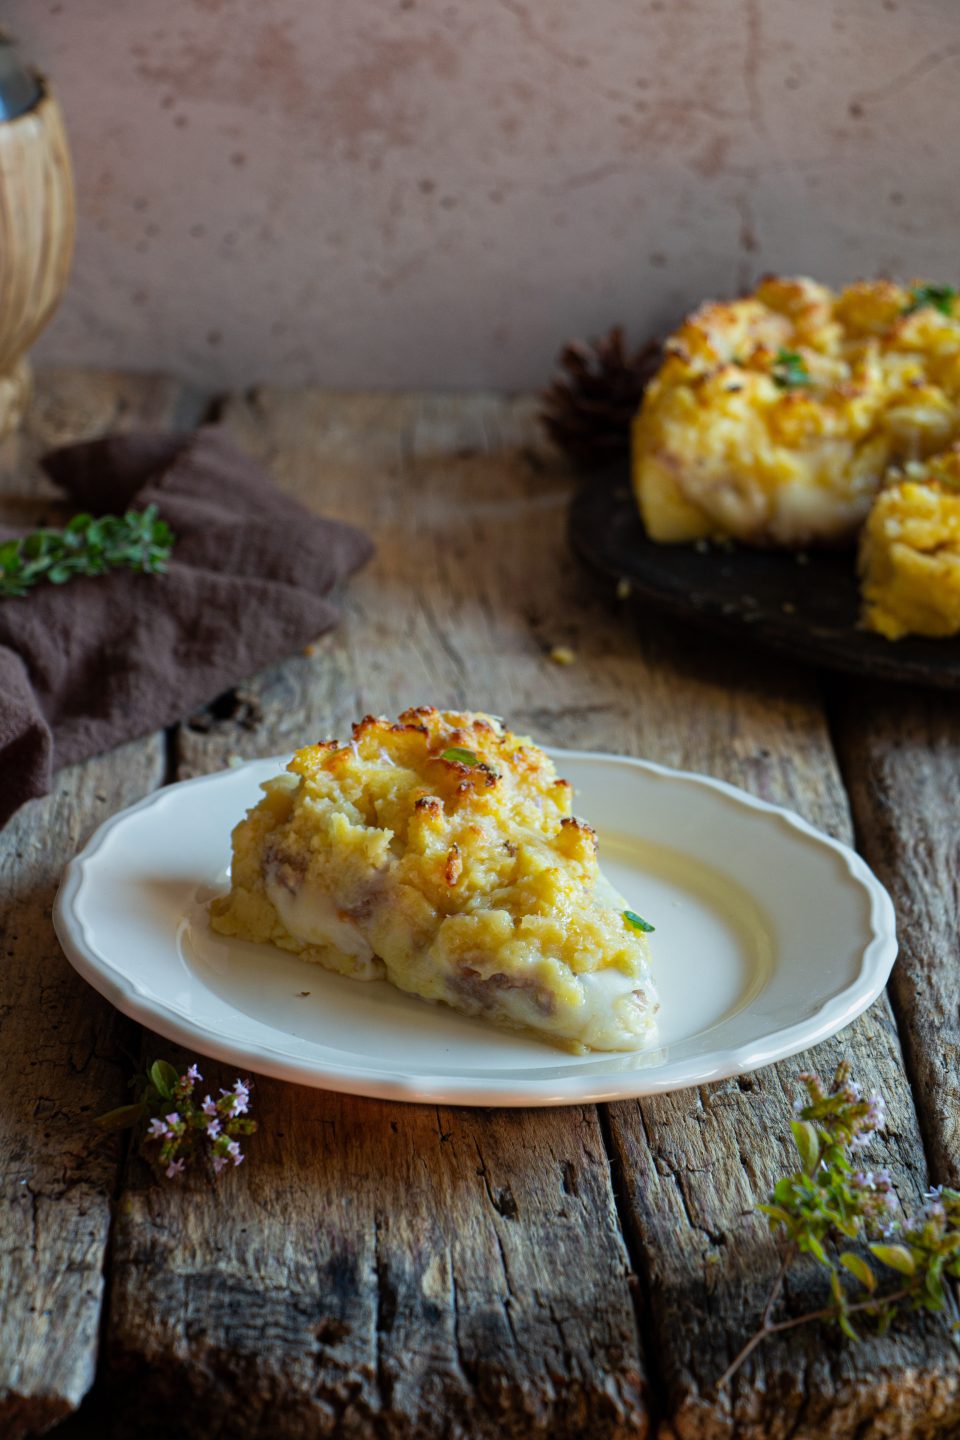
(899, 752)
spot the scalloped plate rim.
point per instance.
(832, 1015)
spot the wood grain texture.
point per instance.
(59, 1058)
(386, 1270)
(694, 1164)
(380, 1270)
(472, 587)
(60, 1065)
(901, 762)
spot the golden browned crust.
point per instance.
(775, 417)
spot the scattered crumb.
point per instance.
(310, 649)
(562, 655)
(788, 607)
(302, 993)
(623, 588)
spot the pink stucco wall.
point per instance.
(438, 192)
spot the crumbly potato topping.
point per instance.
(774, 418)
(445, 852)
(910, 551)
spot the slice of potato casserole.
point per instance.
(910, 551)
(774, 418)
(440, 853)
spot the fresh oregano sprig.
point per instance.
(830, 1204)
(88, 545)
(789, 370)
(179, 1130)
(940, 297)
(457, 755)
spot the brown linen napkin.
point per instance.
(103, 659)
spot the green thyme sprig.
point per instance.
(179, 1131)
(88, 545)
(830, 1204)
(637, 922)
(789, 370)
(940, 297)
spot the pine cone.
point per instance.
(587, 411)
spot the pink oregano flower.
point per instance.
(192, 1132)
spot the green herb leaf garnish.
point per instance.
(636, 922)
(789, 370)
(88, 545)
(941, 297)
(458, 756)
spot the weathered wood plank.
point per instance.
(379, 1270)
(900, 752)
(59, 1067)
(59, 1059)
(382, 1269)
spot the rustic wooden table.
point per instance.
(391, 1271)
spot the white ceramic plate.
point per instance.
(769, 937)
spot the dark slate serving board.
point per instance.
(806, 605)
